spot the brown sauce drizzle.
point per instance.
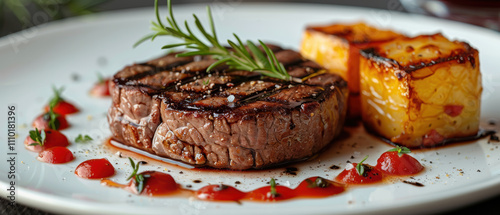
(334, 167)
(480, 134)
(493, 138)
(117, 146)
(414, 183)
(291, 170)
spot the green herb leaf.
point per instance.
(273, 191)
(51, 118)
(221, 187)
(238, 58)
(57, 96)
(52, 9)
(401, 150)
(319, 182)
(140, 179)
(134, 167)
(100, 78)
(83, 139)
(38, 137)
(360, 167)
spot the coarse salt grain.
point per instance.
(349, 166)
(230, 98)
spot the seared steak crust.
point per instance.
(173, 108)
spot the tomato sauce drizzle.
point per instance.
(350, 175)
(313, 187)
(393, 164)
(56, 155)
(219, 192)
(95, 169)
(264, 194)
(63, 108)
(156, 184)
(101, 89)
(42, 122)
(52, 149)
(161, 184)
(53, 138)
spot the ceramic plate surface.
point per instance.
(70, 53)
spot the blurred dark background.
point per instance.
(16, 15)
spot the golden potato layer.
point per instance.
(336, 47)
(421, 91)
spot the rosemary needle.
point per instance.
(240, 57)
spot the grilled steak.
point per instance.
(238, 120)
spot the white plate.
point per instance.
(33, 60)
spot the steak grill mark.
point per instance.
(216, 92)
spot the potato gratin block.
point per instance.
(336, 47)
(421, 91)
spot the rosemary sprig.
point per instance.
(239, 57)
(38, 137)
(134, 167)
(140, 179)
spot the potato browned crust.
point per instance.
(421, 91)
(336, 47)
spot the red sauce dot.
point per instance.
(95, 169)
(53, 138)
(264, 194)
(63, 108)
(101, 89)
(56, 155)
(351, 175)
(312, 187)
(42, 122)
(219, 193)
(156, 184)
(391, 163)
